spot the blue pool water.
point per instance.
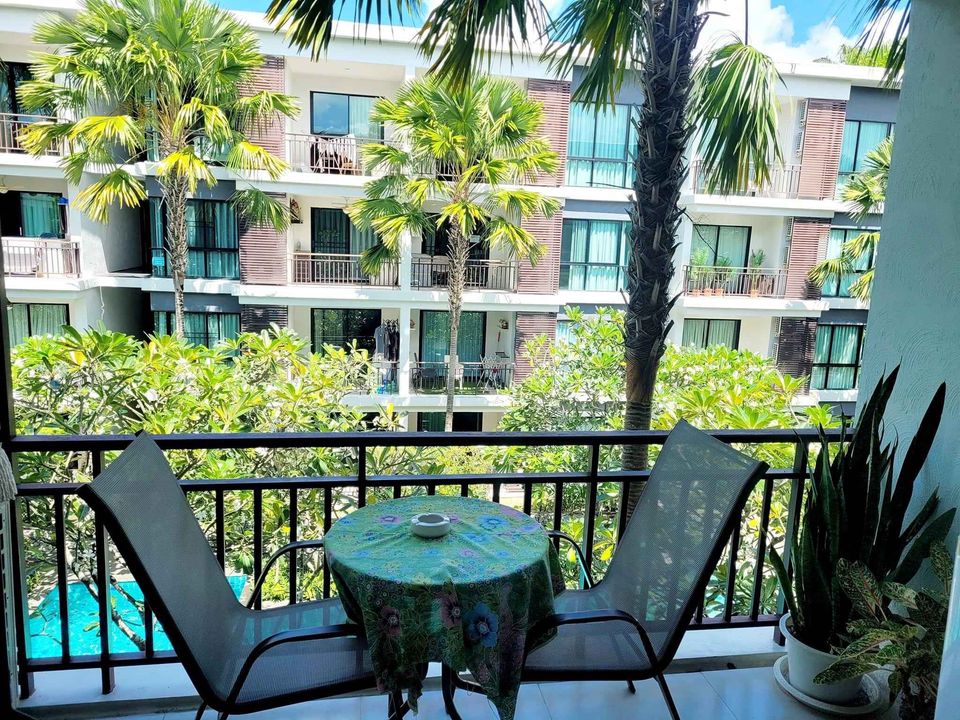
(84, 625)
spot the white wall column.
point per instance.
(406, 261)
(403, 381)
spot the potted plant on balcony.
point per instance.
(899, 630)
(753, 271)
(722, 270)
(855, 513)
(699, 260)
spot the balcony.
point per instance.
(488, 377)
(329, 154)
(784, 183)
(41, 257)
(69, 557)
(11, 125)
(433, 271)
(701, 280)
(339, 269)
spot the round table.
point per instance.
(466, 600)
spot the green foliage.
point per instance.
(907, 642)
(878, 56)
(854, 517)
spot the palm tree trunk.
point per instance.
(175, 202)
(458, 251)
(663, 132)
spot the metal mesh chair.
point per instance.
(629, 625)
(240, 660)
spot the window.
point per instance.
(701, 333)
(200, 328)
(337, 114)
(565, 331)
(859, 138)
(836, 359)
(12, 75)
(435, 336)
(593, 255)
(29, 319)
(335, 326)
(436, 240)
(714, 242)
(462, 421)
(332, 232)
(32, 214)
(212, 240)
(840, 286)
(599, 146)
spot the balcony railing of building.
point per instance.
(41, 257)
(433, 271)
(330, 154)
(742, 282)
(13, 124)
(471, 378)
(56, 534)
(339, 269)
(784, 182)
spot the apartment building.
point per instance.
(742, 264)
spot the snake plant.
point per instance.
(855, 511)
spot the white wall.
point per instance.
(915, 308)
(755, 334)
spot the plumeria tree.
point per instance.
(167, 81)
(461, 154)
(866, 192)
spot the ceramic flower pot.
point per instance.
(806, 663)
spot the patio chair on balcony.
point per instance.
(241, 660)
(628, 626)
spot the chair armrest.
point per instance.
(323, 632)
(288, 548)
(581, 558)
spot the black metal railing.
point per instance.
(742, 282)
(310, 506)
(433, 271)
(471, 378)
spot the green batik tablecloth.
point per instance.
(466, 600)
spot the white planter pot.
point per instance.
(806, 663)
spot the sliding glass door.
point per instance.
(435, 336)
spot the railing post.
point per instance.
(590, 521)
(794, 508)
(107, 680)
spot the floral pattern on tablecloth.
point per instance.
(466, 599)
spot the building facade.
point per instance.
(741, 267)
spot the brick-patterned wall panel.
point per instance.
(555, 97)
(254, 318)
(263, 254)
(529, 325)
(820, 152)
(270, 133)
(545, 276)
(795, 347)
(808, 243)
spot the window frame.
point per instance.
(369, 346)
(30, 306)
(709, 321)
(849, 232)
(348, 96)
(632, 110)
(623, 251)
(170, 320)
(829, 365)
(746, 252)
(159, 245)
(844, 175)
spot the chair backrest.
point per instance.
(695, 494)
(147, 515)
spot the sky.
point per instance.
(788, 30)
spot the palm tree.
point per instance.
(866, 192)
(481, 138)
(167, 79)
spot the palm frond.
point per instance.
(516, 240)
(887, 23)
(373, 258)
(264, 105)
(245, 156)
(866, 190)
(863, 286)
(517, 203)
(735, 105)
(261, 209)
(39, 137)
(187, 165)
(212, 119)
(861, 245)
(115, 187)
(124, 130)
(831, 268)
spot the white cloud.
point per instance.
(772, 30)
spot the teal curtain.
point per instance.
(222, 326)
(732, 244)
(360, 124)
(705, 238)
(700, 333)
(594, 140)
(611, 135)
(871, 135)
(848, 149)
(603, 255)
(435, 336)
(581, 126)
(40, 214)
(593, 255)
(845, 351)
(694, 333)
(573, 250)
(29, 319)
(330, 231)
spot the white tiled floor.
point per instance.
(748, 694)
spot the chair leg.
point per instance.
(449, 688)
(396, 706)
(667, 697)
(631, 687)
(203, 706)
